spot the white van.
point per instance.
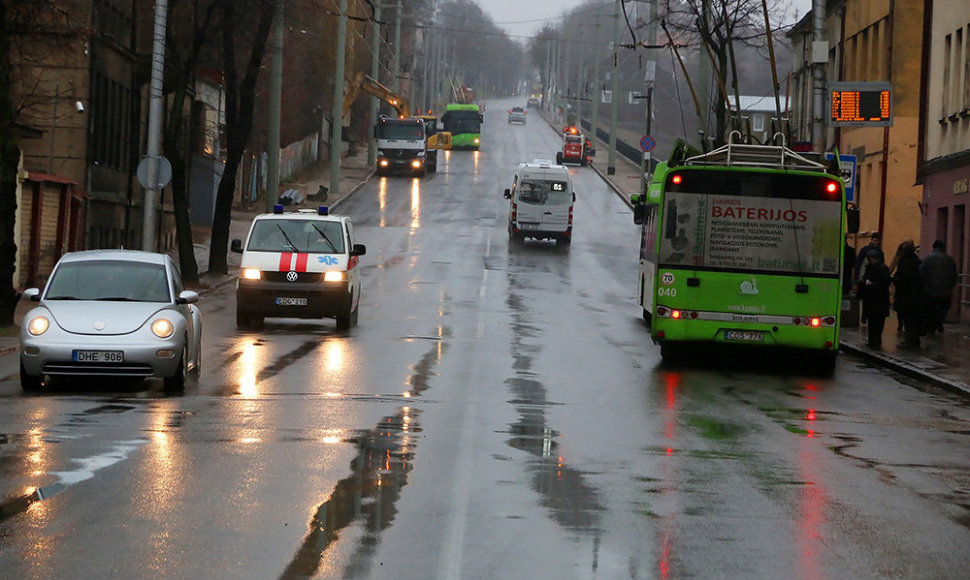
(541, 203)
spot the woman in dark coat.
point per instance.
(874, 293)
(910, 300)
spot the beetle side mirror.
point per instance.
(187, 297)
(32, 294)
(236, 246)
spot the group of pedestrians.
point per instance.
(920, 291)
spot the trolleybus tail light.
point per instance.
(676, 179)
(675, 314)
(814, 321)
(832, 187)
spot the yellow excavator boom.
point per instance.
(363, 82)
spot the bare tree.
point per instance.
(241, 21)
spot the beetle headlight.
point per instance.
(250, 274)
(334, 276)
(38, 325)
(163, 328)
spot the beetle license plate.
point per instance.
(288, 301)
(98, 356)
(744, 335)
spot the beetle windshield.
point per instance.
(110, 280)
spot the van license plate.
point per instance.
(99, 356)
(287, 301)
(744, 335)
(525, 226)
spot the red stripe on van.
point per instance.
(286, 258)
(301, 262)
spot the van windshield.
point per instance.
(544, 192)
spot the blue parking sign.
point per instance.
(848, 164)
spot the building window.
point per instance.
(111, 116)
(758, 123)
(947, 56)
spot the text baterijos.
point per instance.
(759, 214)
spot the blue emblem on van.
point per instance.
(328, 260)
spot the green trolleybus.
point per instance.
(464, 122)
(742, 245)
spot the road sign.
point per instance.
(163, 177)
(848, 164)
(647, 143)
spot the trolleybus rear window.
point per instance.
(751, 221)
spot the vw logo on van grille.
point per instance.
(292, 276)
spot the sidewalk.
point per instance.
(943, 359)
(354, 172)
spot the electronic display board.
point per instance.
(860, 104)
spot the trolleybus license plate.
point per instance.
(287, 301)
(744, 335)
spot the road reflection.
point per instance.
(369, 494)
(415, 204)
(572, 502)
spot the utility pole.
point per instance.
(337, 125)
(375, 72)
(611, 162)
(819, 45)
(547, 89)
(646, 166)
(275, 104)
(396, 63)
(154, 145)
(597, 85)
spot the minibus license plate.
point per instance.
(287, 301)
(744, 335)
(99, 356)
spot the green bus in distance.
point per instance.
(742, 245)
(464, 122)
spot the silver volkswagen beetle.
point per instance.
(119, 313)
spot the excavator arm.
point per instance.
(362, 82)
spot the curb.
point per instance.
(905, 368)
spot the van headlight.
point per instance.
(251, 274)
(334, 276)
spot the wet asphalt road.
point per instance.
(498, 413)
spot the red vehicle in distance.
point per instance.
(576, 148)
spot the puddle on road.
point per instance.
(379, 472)
(367, 496)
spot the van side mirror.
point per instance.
(236, 246)
(359, 250)
(507, 194)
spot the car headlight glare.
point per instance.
(38, 325)
(333, 276)
(163, 328)
(251, 274)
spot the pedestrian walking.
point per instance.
(939, 273)
(874, 293)
(910, 301)
(893, 266)
(875, 243)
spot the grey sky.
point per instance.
(523, 18)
